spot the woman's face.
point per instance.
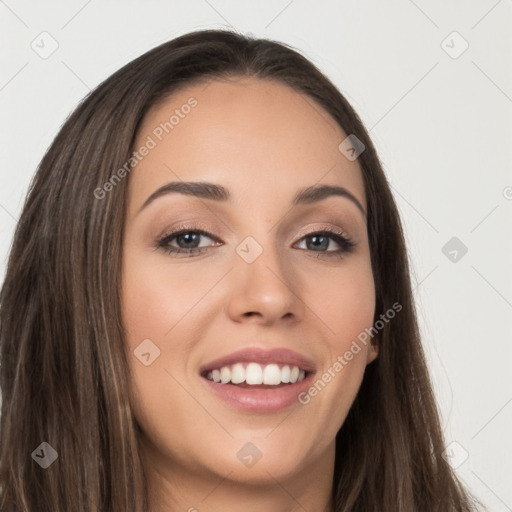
(267, 289)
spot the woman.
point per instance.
(208, 304)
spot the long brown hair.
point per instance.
(64, 367)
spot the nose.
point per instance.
(265, 291)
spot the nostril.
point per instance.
(251, 313)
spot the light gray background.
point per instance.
(442, 125)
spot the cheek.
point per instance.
(158, 302)
(156, 298)
(345, 303)
(347, 307)
(154, 301)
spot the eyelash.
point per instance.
(346, 244)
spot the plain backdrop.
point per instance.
(432, 81)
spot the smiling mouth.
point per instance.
(252, 375)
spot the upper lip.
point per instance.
(263, 356)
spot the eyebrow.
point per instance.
(214, 192)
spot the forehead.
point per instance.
(259, 138)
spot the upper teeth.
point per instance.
(254, 373)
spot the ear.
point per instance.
(373, 352)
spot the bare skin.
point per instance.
(263, 142)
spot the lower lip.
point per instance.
(259, 400)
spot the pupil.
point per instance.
(323, 244)
(190, 240)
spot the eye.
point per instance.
(185, 241)
(320, 241)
